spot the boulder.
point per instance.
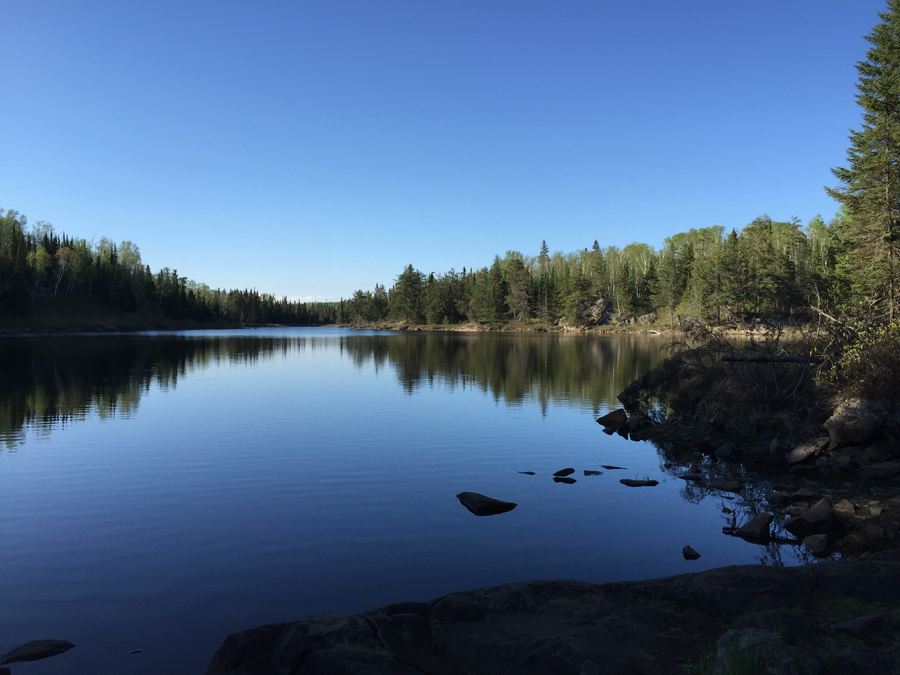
(616, 419)
(882, 451)
(689, 553)
(801, 452)
(35, 650)
(818, 544)
(777, 498)
(757, 530)
(862, 626)
(845, 509)
(638, 483)
(727, 452)
(818, 520)
(856, 422)
(647, 319)
(484, 506)
(637, 422)
(565, 472)
(882, 471)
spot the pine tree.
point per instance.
(870, 185)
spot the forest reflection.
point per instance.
(48, 382)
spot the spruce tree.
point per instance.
(870, 184)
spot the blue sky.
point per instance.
(310, 148)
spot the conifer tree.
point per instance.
(870, 184)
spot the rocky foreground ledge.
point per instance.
(837, 617)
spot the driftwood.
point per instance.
(772, 359)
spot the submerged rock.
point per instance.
(36, 650)
(484, 506)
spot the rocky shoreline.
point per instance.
(833, 617)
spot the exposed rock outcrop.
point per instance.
(547, 627)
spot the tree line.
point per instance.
(39, 265)
(767, 267)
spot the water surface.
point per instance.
(160, 491)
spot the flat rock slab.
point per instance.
(550, 627)
(638, 483)
(484, 506)
(35, 651)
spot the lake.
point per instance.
(160, 491)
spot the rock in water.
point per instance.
(527, 473)
(689, 553)
(484, 506)
(563, 479)
(564, 472)
(614, 420)
(638, 483)
(757, 530)
(36, 650)
(591, 472)
(612, 468)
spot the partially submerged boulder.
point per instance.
(35, 650)
(757, 530)
(484, 506)
(615, 420)
(818, 520)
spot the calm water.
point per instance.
(159, 492)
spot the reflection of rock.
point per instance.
(484, 506)
(725, 485)
(611, 468)
(757, 530)
(689, 553)
(590, 472)
(36, 650)
(563, 479)
(638, 483)
(564, 472)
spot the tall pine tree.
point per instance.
(870, 184)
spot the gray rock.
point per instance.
(818, 544)
(798, 510)
(863, 661)
(855, 422)
(882, 471)
(689, 553)
(565, 472)
(638, 483)
(801, 452)
(727, 452)
(845, 509)
(757, 530)
(484, 506)
(818, 520)
(36, 650)
(752, 650)
(616, 419)
(647, 319)
(861, 626)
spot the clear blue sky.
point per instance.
(309, 148)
